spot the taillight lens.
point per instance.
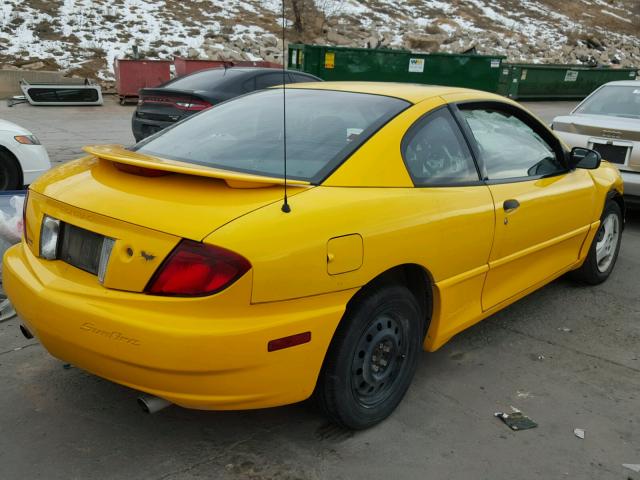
(192, 105)
(24, 217)
(196, 269)
(182, 103)
(140, 171)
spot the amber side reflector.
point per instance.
(141, 171)
(290, 341)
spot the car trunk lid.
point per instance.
(601, 126)
(169, 105)
(132, 256)
(190, 201)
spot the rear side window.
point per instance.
(436, 153)
(299, 78)
(509, 148)
(203, 80)
(270, 80)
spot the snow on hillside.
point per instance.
(84, 36)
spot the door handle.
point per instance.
(510, 205)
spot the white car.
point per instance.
(608, 121)
(22, 157)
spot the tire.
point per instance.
(9, 172)
(604, 249)
(372, 358)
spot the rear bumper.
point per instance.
(204, 353)
(631, 179)
(631, 183)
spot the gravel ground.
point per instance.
(568, 356)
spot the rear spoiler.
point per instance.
(119, 154)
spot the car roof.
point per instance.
(256, 70)
(411, 92)
(232, 75)
(625, 83)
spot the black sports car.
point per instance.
(162, 106)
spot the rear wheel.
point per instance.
(372, 358)
(9, 172)
(604, 249)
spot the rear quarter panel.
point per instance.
(429, 227)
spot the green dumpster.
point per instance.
(381, 65)
(549, 82)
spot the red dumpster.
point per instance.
(185, 66)
(132, 75)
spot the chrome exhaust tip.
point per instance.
(152, 404)
(25, 331)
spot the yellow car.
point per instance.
(179, 268)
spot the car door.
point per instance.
(542, 209)
(457, 239)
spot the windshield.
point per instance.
(615, 100)
(246, 134)
(203, 80)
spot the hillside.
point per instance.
(83, 37)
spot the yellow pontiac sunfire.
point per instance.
(415, 211)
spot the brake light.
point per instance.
(141, 171)
(24, 217)
(196, 269)
(193, 105)
(181, 103)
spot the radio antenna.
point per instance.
(285, 204)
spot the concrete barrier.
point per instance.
(9, 80)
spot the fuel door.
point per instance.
(344, 254)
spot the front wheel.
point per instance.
(372, 358)
(604, 249)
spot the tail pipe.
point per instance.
(152, 404)
(25, 331)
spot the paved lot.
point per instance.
(65, 130)
(568, 356)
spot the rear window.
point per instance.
(246, 134)
(615, 100)
(203, 80)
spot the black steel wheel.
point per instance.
(372, 358)
(9, 172)
(378, 358)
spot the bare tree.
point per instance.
(297, 10)
(309, 17)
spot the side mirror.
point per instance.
(584, 158)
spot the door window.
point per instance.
(509, 148)
(300, 78)
(436, 153)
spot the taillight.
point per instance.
(24, 217)
(181, 103)
(141, 171)
(196, 269)
(192, 105)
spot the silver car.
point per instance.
(608, 121)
